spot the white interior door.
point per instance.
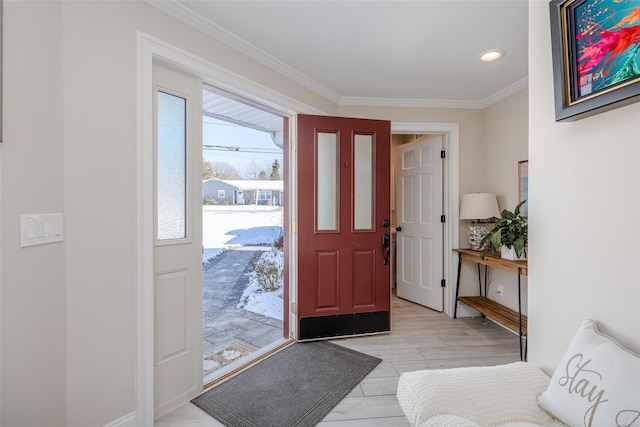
(420, 229)
(177, 238)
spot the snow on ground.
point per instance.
(226, 227)
(258, 301)
(231, 226)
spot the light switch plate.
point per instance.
(38, 229)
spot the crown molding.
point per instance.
(408, 103)
(508, 91)
(435, 103)
(180, 12)
(212, 29)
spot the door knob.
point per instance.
(398, 228)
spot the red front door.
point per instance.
(343, 226)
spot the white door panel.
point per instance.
(420, 240)
(172, 315)
(178, 239)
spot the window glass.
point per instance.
(363, 184)
(171, 167)
(327, 181)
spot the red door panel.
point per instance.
(364, 286)
(344, 196)
(327, 292)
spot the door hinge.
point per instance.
(443, 154)
(294, 226)
(294, 144)
(294, 308)
(443, 218)
(443, 283)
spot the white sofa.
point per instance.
(502, 395)
(596, 383)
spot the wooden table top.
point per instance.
(494, 261)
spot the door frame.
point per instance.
(451, 188)
(150, 48)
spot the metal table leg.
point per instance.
(455, 309)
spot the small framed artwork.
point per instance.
(596, 55)
(523, 186)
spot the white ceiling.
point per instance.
(404, 53)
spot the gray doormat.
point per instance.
(297, 386)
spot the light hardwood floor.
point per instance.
(420, 339)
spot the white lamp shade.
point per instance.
(479, 206)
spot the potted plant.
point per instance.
(509, 234)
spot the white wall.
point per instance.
(584, 189)
(100, 159)
(506, 142)
(68, 309)
(33, 290)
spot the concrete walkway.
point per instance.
(224, 280)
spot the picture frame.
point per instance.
(523, 186)
(595, 54)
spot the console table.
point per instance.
(513, 320)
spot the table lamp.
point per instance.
(478, 207)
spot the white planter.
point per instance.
(510, 253)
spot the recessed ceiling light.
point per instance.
(491, 55)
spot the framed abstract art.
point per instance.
(596, 55)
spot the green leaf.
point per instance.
(496, 239)
(518, 245)
(516, 211)
(509, 230)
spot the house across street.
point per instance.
(243, 192)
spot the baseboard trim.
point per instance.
(129, 420)
(177, 402)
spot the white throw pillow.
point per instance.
(597, 383)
